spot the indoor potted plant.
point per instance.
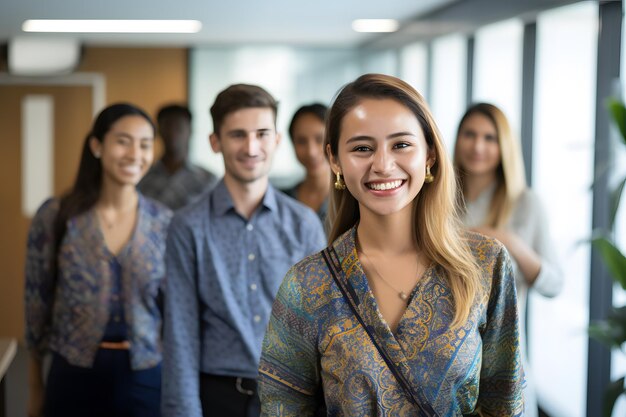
(612, 330)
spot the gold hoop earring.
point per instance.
(428, 178)
(339, 184)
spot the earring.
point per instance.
(339, 184)
(96, 154)
(428, 178)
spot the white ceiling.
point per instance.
(225, 22)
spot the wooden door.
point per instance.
(72, 109)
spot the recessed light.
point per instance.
(112, 26)
(375, 25)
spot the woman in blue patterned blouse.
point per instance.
(93, 269)
(405, 314)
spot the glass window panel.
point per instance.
(37, 151)
(498, 68)
(449, 55)
(414, 66)
(563, 172)
(382, 62)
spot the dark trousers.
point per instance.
(110, 388)
(226, 396)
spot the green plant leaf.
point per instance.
(612, 392)
(611, 332)
(616, 196)
(613, 258)
(603, 333)
(618, 113)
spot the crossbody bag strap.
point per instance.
(331, 259)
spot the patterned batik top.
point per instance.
(315, 348)
(69, 314)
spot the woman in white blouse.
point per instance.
(499, 204)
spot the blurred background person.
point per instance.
(94, 264)
(307, 136)
(499, 204)
(173, 180)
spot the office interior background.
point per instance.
(549, 64)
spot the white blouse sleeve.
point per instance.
(532, 217)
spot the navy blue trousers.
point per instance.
(109, 388)
(220, 398)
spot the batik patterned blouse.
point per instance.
(69, 314)
(315, 346)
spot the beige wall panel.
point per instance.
(147, 77)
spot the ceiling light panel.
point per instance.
(112, 26)
(375, 25)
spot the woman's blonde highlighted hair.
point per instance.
(436, 227)
(510, 175)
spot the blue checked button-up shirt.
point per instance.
(223, 273)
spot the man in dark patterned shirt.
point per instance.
(173, 180)
(226, 256)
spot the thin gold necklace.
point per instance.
(403, 295)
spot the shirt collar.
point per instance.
(223, 202)
(269, 199)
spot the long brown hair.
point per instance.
(436, 228)
(510, 176)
